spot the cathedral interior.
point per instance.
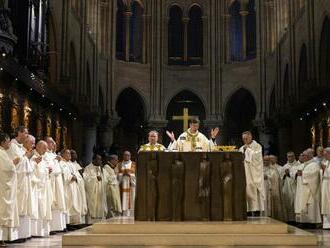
(99, 74)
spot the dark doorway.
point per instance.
(129, 133)
(240, 112)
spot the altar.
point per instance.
(187, 186)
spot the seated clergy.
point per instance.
(192, 140)
(153, 145)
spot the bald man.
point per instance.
(44, 195)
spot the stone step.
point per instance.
(294, 237)
(262, 226)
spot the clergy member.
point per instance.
(289, 186)
(307, 201)
(95, 182)
(253, 163)
(153, 145)
(274, 161)
(325, 201)
(9, 219)
(44, 194)
(81, 182)
(58, 222)
(113, 191)
(127, 181)
(24, 177)
(192, 139)
(273, 190)
(319, 154)
(74, 201)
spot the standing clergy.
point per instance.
(81, 183)
(319, 154)
(325, 201)
(58, 222)
(273, 190)
(192, 139)
(289, 186)
(95, 182)
(9, 219)
(307, 202)
(73, 196)
(274, 161)
(153, 145)
(113, 196)
(253, 163)
(44, 194)
(24, 178)
(127, 181)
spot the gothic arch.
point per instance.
(175, 35)
(120, 30)
(136, 31)
(240, 112)
(195, 35)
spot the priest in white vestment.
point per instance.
(325, 201)
(24, 178)
(152, 145)
(72, 189)
(289, 186)
(78, 170)
(9, 219)
(307, 201)
(192, 140)
(319, 154)
(113, 191)
(127, 181)
(58, 222)
(273, 191)
(96, 184)
(44, 194)
(253, 163)
(274, 161)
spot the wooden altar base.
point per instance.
(253, 232)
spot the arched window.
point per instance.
(235, 31)
(175, 36)
(251, 34)
(136, 32)
(120, 36)
(195, 36)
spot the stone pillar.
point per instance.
(127, 22)
(185, 39)
(243, 14)
(89, 139)
(205, 40)
(228, 47)
(145, 21)
(106, 132)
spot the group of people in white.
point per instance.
(298, 192)
(43, 192)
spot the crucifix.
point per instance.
(185, 118)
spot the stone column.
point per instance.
(185, 39)
(145, 21)
(106, 132)
(244, 14)
(127, 22)
(89, 139)
(227, 46)
(205, 40)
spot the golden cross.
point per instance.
(185, 118)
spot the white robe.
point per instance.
(113, 191)
(27, 206)
(74, 197)
(81, 182)
(44, 197)
(325, 193)
(9, 219)
(95, 193)
(58, 222)
(253, 163)
(307, 201)
(188, 142)
(289, 189)
(127, 186)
